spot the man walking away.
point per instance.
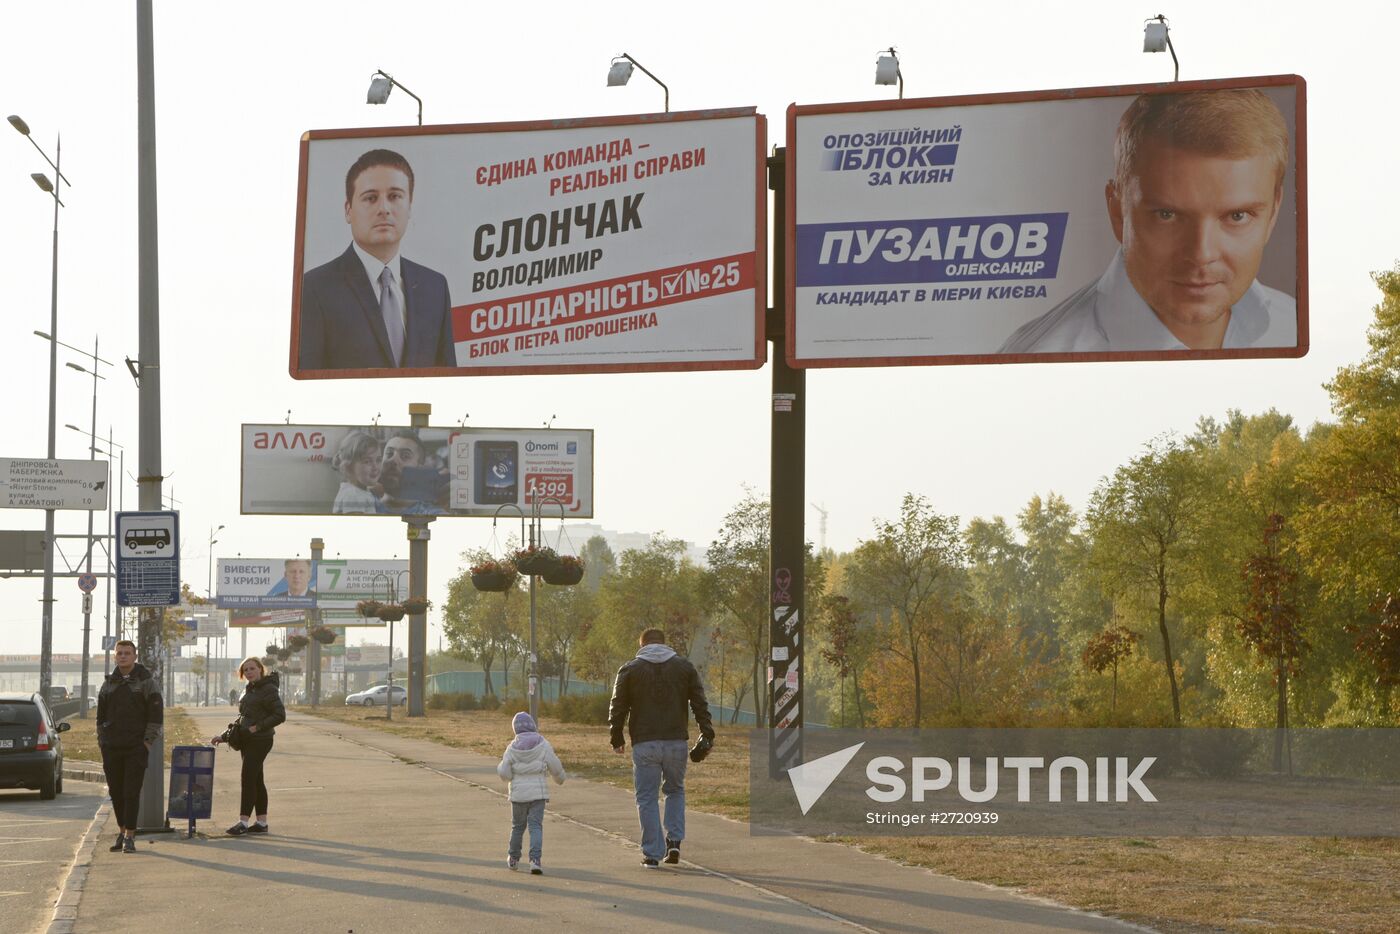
(650, 696)
(130, 716)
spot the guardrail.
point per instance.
(64, 709)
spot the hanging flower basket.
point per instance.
(323, 634)
(368, 608)
(416, 605)
(540, 560)
(568, 573)
(493, 576)
(391, 612)
(297, 643)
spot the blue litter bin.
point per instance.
(191, 784)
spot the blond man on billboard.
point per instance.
(370, 308)
(1198, 180)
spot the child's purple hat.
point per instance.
(524, 723)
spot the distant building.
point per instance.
(580, 532)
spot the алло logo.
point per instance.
(810, 780)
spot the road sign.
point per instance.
(52, 484)
(87, 583)
(87, 603)
(109, 643)
(148, 563)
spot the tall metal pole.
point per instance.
(533, 679)
(787, 492)
(46, 629)
(148, 481)
(419, 532)
(87, 597)
(313, 648)
(107, 600)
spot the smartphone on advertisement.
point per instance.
(497, 472)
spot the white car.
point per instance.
(377, 697)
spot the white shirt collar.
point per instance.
(374, 267)
(1129, 322)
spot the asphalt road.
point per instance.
(37, 842)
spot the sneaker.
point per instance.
(238, 829)
(257, 828)
(129, 845)
(512, 862)
(535, 869)
(649, 863)
(673, 852)
(117, 847)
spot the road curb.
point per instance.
(79, 774)
(65, 910)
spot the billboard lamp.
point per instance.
(1156, 37)
(887, 70)
(380, 86)
(621, 72)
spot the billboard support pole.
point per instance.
(787, 500)
(418, 533)
(152, 812)
(313, 648)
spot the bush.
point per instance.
(589, 708)
(454, 700)
(490, 702)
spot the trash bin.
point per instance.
(191, 784)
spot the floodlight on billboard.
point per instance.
(379, 470)
(618, 244)
(1157, 222)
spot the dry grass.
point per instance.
(1173, 884)
(80, 742)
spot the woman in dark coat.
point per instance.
(260, 710)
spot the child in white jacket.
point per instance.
(526, 760)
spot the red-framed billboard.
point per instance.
(613, 244)
(1148, 222)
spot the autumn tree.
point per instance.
(905, 571)
(1144, 523)
(1106, 651)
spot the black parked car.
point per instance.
(31, 750)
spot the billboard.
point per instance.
(27, 483)
(378, 470)
(342, 584)
(1156, 222)
(565, 246)
(266, 583)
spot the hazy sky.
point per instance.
(237, 85)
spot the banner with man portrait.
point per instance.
(1163, 221)
(609, 244)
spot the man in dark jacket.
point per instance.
(650, 696)
(130, 717)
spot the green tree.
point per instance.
(1271, 625)
(1144, 522)
(906, 571)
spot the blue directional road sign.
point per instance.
(148, 558)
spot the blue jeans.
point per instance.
(521, 813)
(660, 764)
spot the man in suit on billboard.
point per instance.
(1197, 186)
(370, 307)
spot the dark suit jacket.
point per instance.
(341, 327)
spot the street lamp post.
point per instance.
(51, 188)
(209, 595)
(92, 455)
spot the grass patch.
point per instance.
(1173, 884)
(80, 742)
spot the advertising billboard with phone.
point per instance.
(380, 470)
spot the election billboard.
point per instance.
(612, 244)
(1155, 222)
(266, 583)
(380, 470)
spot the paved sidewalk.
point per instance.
(373, 832)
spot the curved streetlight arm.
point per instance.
(392, 80)
(665, 90)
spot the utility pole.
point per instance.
(419, 531)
